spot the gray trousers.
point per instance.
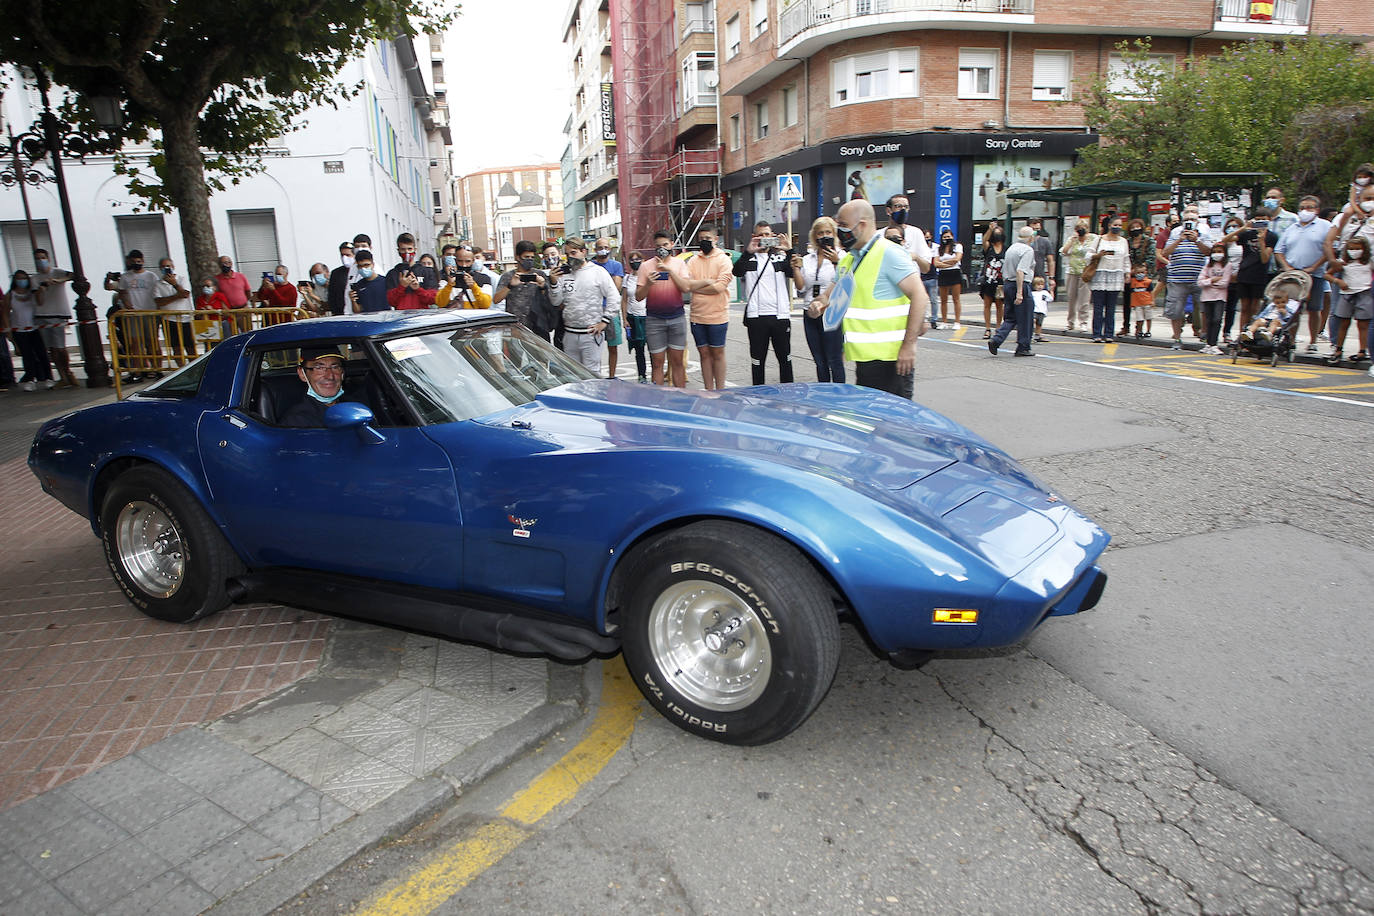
(585, 348)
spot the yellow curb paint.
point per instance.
(457, 866)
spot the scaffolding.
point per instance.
(642, 46)
(694, 192)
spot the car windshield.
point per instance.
(457, 375)
(183, 383)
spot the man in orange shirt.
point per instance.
(710, 275)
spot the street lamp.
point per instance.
(50, 137)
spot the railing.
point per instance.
(694, 162)
(699, 99)
(693, 25)
(150, 342)
(1286, 12)
(805, 14)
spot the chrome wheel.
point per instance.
(150, 549)
(710, 644)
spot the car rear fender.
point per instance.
(111, 465)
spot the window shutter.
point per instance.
(146, 233)
(255, 242)
(18, 251)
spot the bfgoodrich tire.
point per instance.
(730, 633)
(164, 551)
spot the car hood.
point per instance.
(862, 436)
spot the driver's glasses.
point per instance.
(325, 369)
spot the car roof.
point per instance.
(375, 324)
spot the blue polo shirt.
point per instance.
(1302, 245)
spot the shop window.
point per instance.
(977, 73)
(1050, 75)
(881, 75)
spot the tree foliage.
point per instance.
(209, 84)
(1298, 108)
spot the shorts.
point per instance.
(950, 276)
(53, 331)
(1176, 299)
(710, 335)
(1250, 290)
(1316, 299)
(1359, 306)
(665, 333)
(990, 290)
(1143, 312)
(615, 332)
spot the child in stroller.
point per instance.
(1271, 335)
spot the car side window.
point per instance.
(276, 387)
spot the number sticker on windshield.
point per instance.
(407, 347)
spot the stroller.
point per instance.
(1283, 345)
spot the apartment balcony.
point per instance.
(598, 174)
(1234, 20)
(695, 26)
(806, 26)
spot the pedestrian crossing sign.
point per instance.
(790, 189)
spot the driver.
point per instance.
(322, 370)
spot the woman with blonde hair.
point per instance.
(813, 274)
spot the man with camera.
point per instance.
(466, 289)
(524, 291)
(170, 296)
(1187, 249)
(405, 250)
(766, 268)
(135, 288)
(582, 290)
(659, 285)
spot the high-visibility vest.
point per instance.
(873, 327)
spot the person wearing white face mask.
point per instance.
(1363, 178)
(1214, 282)
(277, 291)
(1302, 246)
(1273, 198)
(315, 290)
(339, 280)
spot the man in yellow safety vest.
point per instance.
(879, 300)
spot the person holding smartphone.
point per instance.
(766, 268)
(586, 295)
(524, 291)
(660, 285)
(1257, 240)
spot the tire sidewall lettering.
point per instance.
(742, 587)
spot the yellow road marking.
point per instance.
(455, 867)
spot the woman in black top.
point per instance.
(990, 281)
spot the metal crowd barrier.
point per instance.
(144, 342)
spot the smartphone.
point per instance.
(661, 275)
(267, 275)
(526, 278)
(1190, 225)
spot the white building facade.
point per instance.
(368, 166)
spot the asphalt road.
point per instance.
(1200, 741)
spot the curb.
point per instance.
(417, 802)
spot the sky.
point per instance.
(509, 86)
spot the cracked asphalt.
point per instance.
(1200, 743)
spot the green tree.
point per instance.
(209, 83)
(1259, 106)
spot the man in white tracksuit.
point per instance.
(586, 294)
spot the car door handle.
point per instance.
(235, 420)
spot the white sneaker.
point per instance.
(1370, 370)
(954, 327)
(1177, 344)
(49, 385)
(28, 386)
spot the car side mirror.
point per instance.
(352, 415)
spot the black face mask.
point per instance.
(226, 269)
(1135, 233)
(575, 263)
(527, 263)
(846, 237)
(636, 264)
(707, 246)
(826, 241)
(1081, 231)
(899, 217)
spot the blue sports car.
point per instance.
(466, 479)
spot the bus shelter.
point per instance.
(1095, 192)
